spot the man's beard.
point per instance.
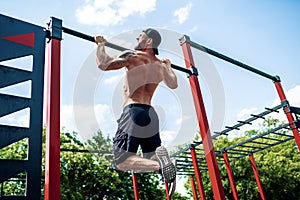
(140, 45)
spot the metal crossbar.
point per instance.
(113, 46)
(230, 60)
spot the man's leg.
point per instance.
(135, 163)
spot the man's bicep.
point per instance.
(117, 64)
(121, 61)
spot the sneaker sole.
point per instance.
(167, 167)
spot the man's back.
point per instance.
(143, 74)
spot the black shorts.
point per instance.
(137, 126)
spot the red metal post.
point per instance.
(211, 159)
(197, 173)
(230, 176)
(167, 191)
(52, 168)
(135, 186)
(52, 165)
(288, 113)
(194, 188)
(258, 182)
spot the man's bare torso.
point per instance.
(143, 74)
(144, 71)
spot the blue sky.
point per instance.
(262, 34)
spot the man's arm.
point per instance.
(169, 77)
(106, 62)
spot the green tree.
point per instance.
(91, 176)
(15, 185)
(87, 171)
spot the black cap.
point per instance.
(154, 34)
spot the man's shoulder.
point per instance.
(127, 53)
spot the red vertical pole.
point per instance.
(52, 168)
(197, 173)
(167, 191)
(52, 165)
(230, 176)
(211, 159)
(135, 186)
(258, 182)
(194, 188)
(288, 113)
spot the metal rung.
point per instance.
(234, 152)
(295, 110)
(258, 116)
(272, 110)
(215, 137)
(298, 124)
(184, 157)
(259, 142)
(186, 174)
(253, 147)
(232, 128)
(284, 134)
(199, 149)
(244, 122)
(197, 143)
(271, 138)
(224, 132)
(237, 150)
(179, 162)
(179, 168)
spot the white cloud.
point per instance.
(244, 113)
(128, 7)
(183, 119)
(67, 118)
(167, 136)
(106, 119)
(112, 12)
(292, 95)
(194, 29)
(183, 13)
(86, 120)
(112, 80)
(89, 119)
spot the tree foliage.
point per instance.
(88, 175)
(92, 176)
(16, 151)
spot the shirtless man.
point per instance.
(138, 124)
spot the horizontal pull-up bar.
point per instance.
(113, 46)
(91, 39)
(230, 60)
